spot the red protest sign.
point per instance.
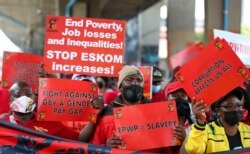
(84, 46)
(147, 75)
(213, 72)
(20, 67)
(186, 54)
(147, 124)
(5, 101)
(66, 100)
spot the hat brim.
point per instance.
(238, 92)
(172, 87)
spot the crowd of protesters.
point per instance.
(201, 128)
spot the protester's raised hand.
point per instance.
(199, 108)
(97, 104)
(180, 133)
(114, 142)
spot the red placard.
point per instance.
(20, 67)
(4, 101)
(66, 100)
(213, 72)
(147, 75)
(84, 46)
(147, 124)
(186, 54)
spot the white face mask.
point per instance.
(23, 104)
(155, 89)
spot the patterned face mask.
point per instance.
(23, 104)
(133, 93)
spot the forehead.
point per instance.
(135, 76)
(231, 99)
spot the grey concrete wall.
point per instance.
(24, 21)
(214, 16)
(180, 24)
(150, 25)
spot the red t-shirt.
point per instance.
(50, 127)
(159, 96)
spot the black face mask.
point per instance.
(133, 93)
(183, 108)
(232, 117)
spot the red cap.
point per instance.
(173, 86)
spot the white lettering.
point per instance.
(101, 25)
(108, 58)
(56, 41)
(65, 55)
(69, 22)
(68, 32)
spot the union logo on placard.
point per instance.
(4, 84)
(171, 107)
(218, 45)
(180, 78)
(52, 25)
(6, 56)
(41, 115)
(243, 73)
(93, 88)
(43, 84)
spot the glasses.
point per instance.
(232, 107)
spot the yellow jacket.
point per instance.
(211, 138)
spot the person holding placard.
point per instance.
(86, 129)
(226, 132)
(130, 84)
(174, 91)
(23, 105)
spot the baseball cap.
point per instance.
(238, 92)
(172, 87)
